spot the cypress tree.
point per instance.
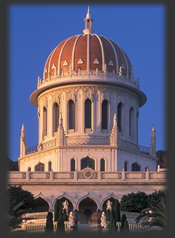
(123, 219)
(49, 222)
(117, 210)
(107, 213)
(60, 222)
(126, 226)
(112, 225)
(56, 213)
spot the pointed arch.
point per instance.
(88, 195)
(111, 196)
(41, 198)
(135, 167)
(64, 195)
(87, 162)
(39, 167)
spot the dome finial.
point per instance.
(88, 14)
(88, 23)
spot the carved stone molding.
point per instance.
(88, 173)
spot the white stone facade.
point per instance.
(88, 129)
(61, 146)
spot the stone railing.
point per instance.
(90, 75)
(87, 176)
(40, 227)
(88, 140)
(38, 223)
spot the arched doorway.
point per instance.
(111, 199)
(87, 211)
(41, 205)
(59, 205)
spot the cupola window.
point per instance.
(105, 115)
(44, 121)
(131, 120)
(55, 116)
(88, 114)
(135, 167)
(102, 165)
(87, 162)
(71, 108)
(49, 166)
(39, 167)
(72, 164)
(119, 116)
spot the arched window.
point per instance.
(72, 165)
(71, 114)
(119, 116)
(125, 166)
(29, 169)
(55, 117)
(87, 162)
(49, 166)
(105, 114)
(135, 167)
(131, 121)
(88, 113)
(44, 121)
(39, 167)
(102, 165)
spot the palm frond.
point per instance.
(155, 216)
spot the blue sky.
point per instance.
(35, 30)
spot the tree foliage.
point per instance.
(117, 210)
(124, 223)
(112, 224)
(17, 194)
(156, 197)
(154, 216)
(20, 202)
(134, 202)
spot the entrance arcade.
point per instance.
(87, 213)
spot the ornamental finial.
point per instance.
(88, 23)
